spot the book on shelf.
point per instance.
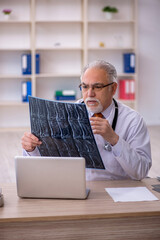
(26, 61)
(26, 87)
(127, 89)
(64, 95)
(129, 62)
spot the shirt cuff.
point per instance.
(35, 152)
(117, 148)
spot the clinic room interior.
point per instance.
(42, 54)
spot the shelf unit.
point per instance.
(66, 34)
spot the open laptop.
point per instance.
(51, 177)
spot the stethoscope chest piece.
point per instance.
(108, 147)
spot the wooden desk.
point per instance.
(98, 217)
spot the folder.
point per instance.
(37, 63)
(129, 62)
(27, 64)
(124, 89)
(132, 89)
(127, 89)
(26, 90)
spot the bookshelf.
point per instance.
(67, 35)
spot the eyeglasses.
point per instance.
(96, 87)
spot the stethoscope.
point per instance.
(107, 145)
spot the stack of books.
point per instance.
(65, 95)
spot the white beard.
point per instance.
(94, 109)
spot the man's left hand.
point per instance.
(101, 126)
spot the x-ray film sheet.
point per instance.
(64, 130)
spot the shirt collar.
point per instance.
(106, 113)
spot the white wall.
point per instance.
(149, 60)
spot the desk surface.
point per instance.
(98, 205)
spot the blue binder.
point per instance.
(37, 63)
(129, 62)
(27, 64)
(26, 90)
(65, 98)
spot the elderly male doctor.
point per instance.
(120, 132)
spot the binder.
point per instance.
(37, 63)
(27, 64)
(129, 62)
(124, 89)
(132, 89)
(24, 63)
(127, 89)
(26, 87)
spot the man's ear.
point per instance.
(114, 88)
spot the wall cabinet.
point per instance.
(67, 34)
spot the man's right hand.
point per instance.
(30, 142)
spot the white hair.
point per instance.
(106, 66)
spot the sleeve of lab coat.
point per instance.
(134, 153)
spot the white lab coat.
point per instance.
(130, 158)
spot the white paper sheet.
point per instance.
(132, 194)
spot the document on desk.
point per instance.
(131, 194)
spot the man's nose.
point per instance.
(91, 92)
